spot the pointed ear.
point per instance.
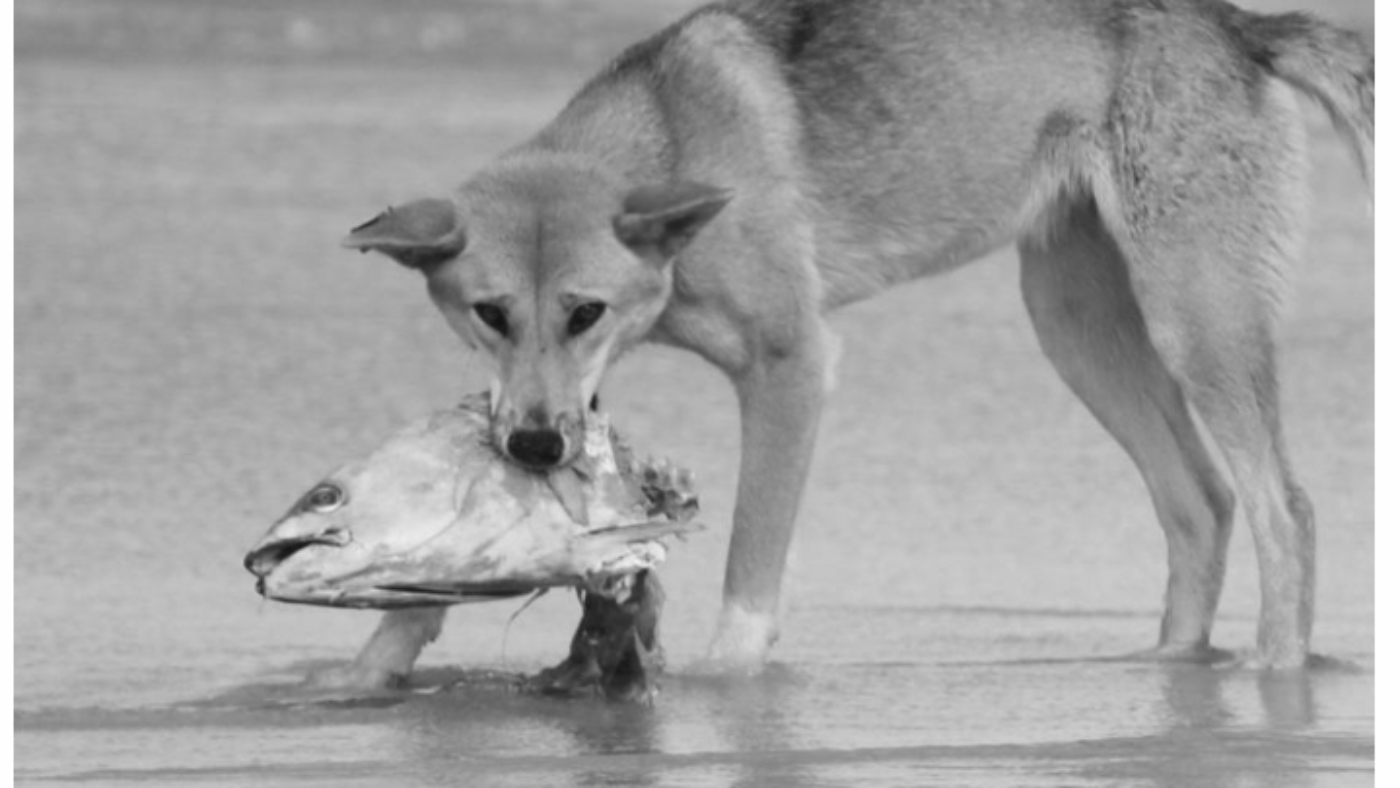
(658, 221)
(418, 234)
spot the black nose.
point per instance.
(536, 448)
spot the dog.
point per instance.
(724, 184)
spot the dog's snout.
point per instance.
(536, 448)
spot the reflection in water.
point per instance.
(1288, 699)
(755, 716)
(1177, 726)
(1194, 699)
(1215, 729)
(708, 730)
(1208, 737)
(619, 729)
(488, 725)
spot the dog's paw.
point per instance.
(354, 677)
(574, 677)
(741, 643)
(1280, 663)
(1178, 653)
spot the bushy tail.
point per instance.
(1334, 67)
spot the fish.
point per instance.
(436, 516)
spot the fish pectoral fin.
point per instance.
(642, 532)
(460, 590)
(568, 488)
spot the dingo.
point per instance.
(724, 183)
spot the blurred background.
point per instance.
(192, 351)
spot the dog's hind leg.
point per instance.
(1228, 371)
(1215, 213)
(1076, 288)
(1229, 374)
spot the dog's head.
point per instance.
(554, 270)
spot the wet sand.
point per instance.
(192, 351)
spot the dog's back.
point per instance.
(918, 131)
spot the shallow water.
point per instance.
(192, 350)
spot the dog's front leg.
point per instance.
(780, 401)
(388, 656)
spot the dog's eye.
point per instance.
(324, 497)
(584, 316)
(493, 316)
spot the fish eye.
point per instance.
(324, 497)
(584, 316)
(493, 316)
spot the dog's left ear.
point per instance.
(418, 234)
(658, 221)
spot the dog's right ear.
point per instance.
(419, 234)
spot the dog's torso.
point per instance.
(899, 137)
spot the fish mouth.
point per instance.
(269, 554)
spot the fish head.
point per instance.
(437, 515)
(399, 496)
